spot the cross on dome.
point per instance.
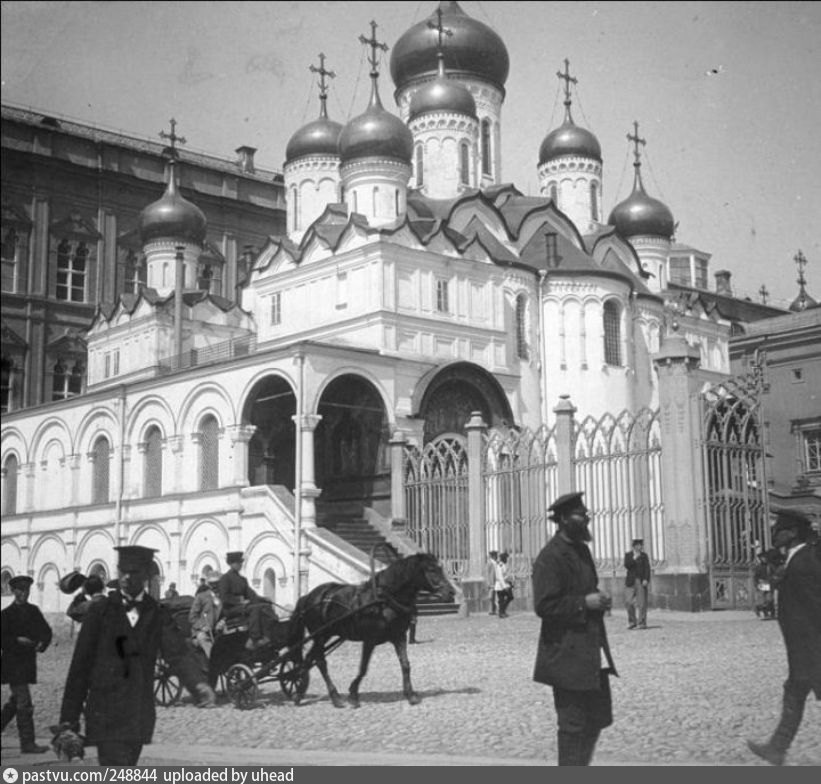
(567, 79)
(373, 59)
(323, 85)
(172, 137)
(637, 140)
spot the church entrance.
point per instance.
(271, 451)
(352, 448)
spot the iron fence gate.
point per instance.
(436, 501)
(735, 485)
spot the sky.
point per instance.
(727, 96)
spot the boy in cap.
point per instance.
(573, 642)
(239, 600)
(111, 676)
(636, 584)
(799, 616)
(204, 614)
(23, 635)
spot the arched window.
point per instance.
(486, 167)
(554, 194)
(396, 201)
(10, 470)
(355, 195)
(295, 207)
(9, 382)
(420, 160)
(5, 577)
(209, 453)
(75, 380)
(612, 333)
(153, 463)
(375, 200)
(594, 201)
(59, 381)
(464, 164)
(269, 585)
(101, 460)
(521, 327)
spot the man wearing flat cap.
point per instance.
(239, 600)
(573, 654)
(799, 616)
(24, 633)
(636, 585)
(111, 676)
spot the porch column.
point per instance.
(565, 475)
(309, 491)
(685, 533)
(398, 511)
(239, 436)
(473, 584)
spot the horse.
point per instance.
(376, 611)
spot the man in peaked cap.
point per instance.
(111, 676)
(239, 600)
(799, 616)
(573, 642)
(24, 633)
(636, 585)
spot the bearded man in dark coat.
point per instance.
(24, 633)
(799, 616)
(111, 676)
(573, 654)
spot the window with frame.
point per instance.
(72, 267)
(342, 290)
(701, 274)
(209, 453)
(134, 276)
(612, 333)
(10, 377)
(521, 327)
(153, 463)
(67, 381)
(464, 164)
(442, 299)
(485, 142)
(9, 258)
(10, 469)
(101, 463)
(276, 308)
(680, 270)
(811, 442)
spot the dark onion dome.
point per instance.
(320, 137)
(569, 139)
(442, 95)
(172, 217)
(375, 133)
(640, 214)
(473, 49)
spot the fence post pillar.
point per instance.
(565, 474)
(682, 583)
(473, 584)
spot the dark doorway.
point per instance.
(272, 449)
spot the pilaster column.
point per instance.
(398, 513)
(174, 447)
(309, 492)
(566, 478)
(73, 465)
(476, 428)
(239, 436)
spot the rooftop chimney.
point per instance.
(723, 286)
(245, 158)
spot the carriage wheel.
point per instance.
(167, 685)
(241, 686)
(294, 679)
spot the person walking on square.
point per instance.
(490, 579)
(636, 584)
(502, 585)
(799, 616)
(111, 676)
(573, 654)
(24, 633)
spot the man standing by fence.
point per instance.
(573, 642)
(637, 585)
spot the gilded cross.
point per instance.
(374, 44)
(764, 294)
(440, 29)
(637, 140)
(172, 137)
(567, 79)
(323, 85)
(801, 262)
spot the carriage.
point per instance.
(377, 611)
(231, 668)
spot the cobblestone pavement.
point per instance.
(692, 689)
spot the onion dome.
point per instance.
(442, 95)
(640, 214)
(569, 139)
(172, 217)
(320, 137)
(375, 133)
(473, 49)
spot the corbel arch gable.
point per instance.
(97, 422)
(547, 216)
(210, 530)
(206, 398)
(48, 431)
(14, 444)
(150, 410)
